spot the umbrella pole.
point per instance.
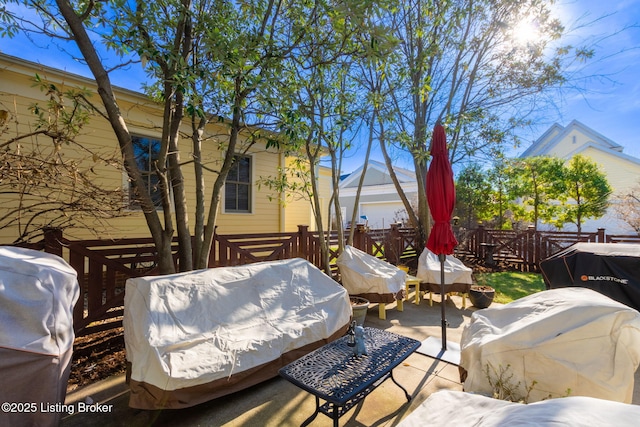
(442, 258)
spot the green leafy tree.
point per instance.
(461, 64)
(500, 202)
(537, 183)
(329, 90)
(473, 195)
(587, 192)
(203, 57)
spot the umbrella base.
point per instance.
(432, 347)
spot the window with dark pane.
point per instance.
(237, 197)
(146, 151)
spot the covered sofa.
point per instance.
(447, 408)
(568, 341)
(457, 276)
(37, 294)
(371, 278)
(195, 336)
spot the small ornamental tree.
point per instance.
(473, 195)
(47, 177)
(536, 182)
(627, 207)
(586, 192)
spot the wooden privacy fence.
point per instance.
(523, 250)
(104, 265)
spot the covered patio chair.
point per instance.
(371, 278)
(457, 276)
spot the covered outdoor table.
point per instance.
(569, 341)
(37, 294)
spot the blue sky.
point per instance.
(611, 104)
(609, 101)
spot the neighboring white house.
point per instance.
(622, 170)
(379, 203)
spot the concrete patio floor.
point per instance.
(279, 403)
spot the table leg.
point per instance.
(314, 415)
(407, 395)
(336, 415)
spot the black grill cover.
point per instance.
(613, 269)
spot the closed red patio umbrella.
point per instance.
(441, 196)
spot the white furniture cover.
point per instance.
(365, 274)
(37, 294)
(447, 408)
(563, 339)
(192, 328)
(454, 270)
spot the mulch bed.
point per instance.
(96, 357)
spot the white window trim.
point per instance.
(251, 189)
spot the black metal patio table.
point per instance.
(333, 373)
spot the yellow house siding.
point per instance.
(143, 118)
(572, 141)
(18, 95)
(622, 175)
(622, 171)
(325, 187)
(296, 208)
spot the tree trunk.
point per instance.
(161, 241)
(210, 227)
(356, 201)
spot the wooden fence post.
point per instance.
(53, 241)
(601, 235)
(394, 250)
(481, 241)
(358, 238)
(534, 248)
(303, 239)
(482, 237)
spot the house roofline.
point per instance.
(26, 68)
(544, 141)
(588, 130)
(610, 151)
(406, 175)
